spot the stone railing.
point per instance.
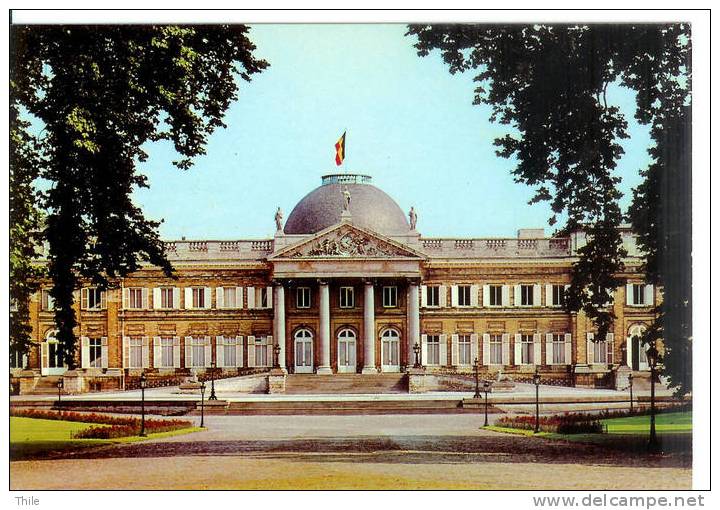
(496, 247)
(208, 250)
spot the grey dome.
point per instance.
(370, 207)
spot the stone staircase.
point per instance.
(344, 407)
(312, 384)
(47, 386)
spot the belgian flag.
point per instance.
(340, 150)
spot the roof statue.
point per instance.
(346, 199)
(279, 219)
(413, 218)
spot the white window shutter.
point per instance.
(44, 355)
(220, 351)
(650, 295)
(591, 348)
(144, 298)
(629, 294)
(188, 352)
(610, 339)
(473, 348)
(537, 349)
(568, 348)
(518, 349)
(104, 352)
(157, 352)
(85, 351)
(269, 291)
(486, 295)
(506, 295)
(537, 293)
(145, 352)
(176, 352)
(549, 349)
(251, 350)
(423, 296)
(157, 301)
(506, 349)
(207, 303)
(454, 350)
(103, 299)
(454, 296)
(486, 349)
(208, 352)
(239, 351)
(517, 296)
(188, 298)
(443, 296)
(628, 350)
(126, 352)
(84, 300)
(220, 299)
(238, 297)
(251, 299)
(423, 352)
(126, 298)
(474, 295)
(443, 350)
(549, 295)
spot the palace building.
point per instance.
(346, 285)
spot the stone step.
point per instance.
(348, 407)
(346, 383)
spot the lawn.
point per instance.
(36, 438)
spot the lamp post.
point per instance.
(476, 367)
(276, 350)
(212, 382)
(486, 387)
(202, 405)
(59, 388)
(143, 383)
(536, 382)
(630, 380)
(416, 350)
(652, 356)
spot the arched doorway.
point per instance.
(636, 351)
(346, 351)
(390, 342)
(303, 351)
(51, 362)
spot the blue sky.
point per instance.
(410, 124)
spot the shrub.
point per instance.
(570, 423)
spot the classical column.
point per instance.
(413, 319)
(369, 327)
(279, 321)
(324, 331)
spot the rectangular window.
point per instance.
(495, 295)
(167, 299)
(303, 297)
(558, 295)
(261, 351)
(638, 294)
(464, 350)
(229, 353)
(463, 295)
(264, 300)
(496, 350)
(95, 352)
(230, 297)
(526, 352)
(166, 351)
(433, 350)
(94, 298)
(600, 351)
(135, 300)
(48, 302)
(558, 349)
(197, 349)
(347, 297)
(198, 297)
(526, 295)
(433, 295)
(135, 352)
(17, 359)
(389, 297)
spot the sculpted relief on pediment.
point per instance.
(348, 243)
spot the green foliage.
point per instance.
(548, 84)
(101, 92)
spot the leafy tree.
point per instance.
(101, 93)
(548, 83)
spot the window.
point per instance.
(638, 294)
(198, 297)
(495, 350)
(135, 298)
(261, 351)
(167, 350)
(92, 298)
(389, 297)
(302, 295)
(433, 350)
(230, 297)
(558, 295)
(347, 297)
(17, 358)
(526, 350)
(264, 297)
(135, 354)
(464, 350)
(463, 295)
(48, 302)
(433, 295)
(167, 299)
(197, 352)
(558, 347)
(495, 295)
(526, 295)
(230, 352)
(95, 351)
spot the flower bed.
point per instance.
(111, 426)
(570, 423)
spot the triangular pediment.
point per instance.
(345, 240)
